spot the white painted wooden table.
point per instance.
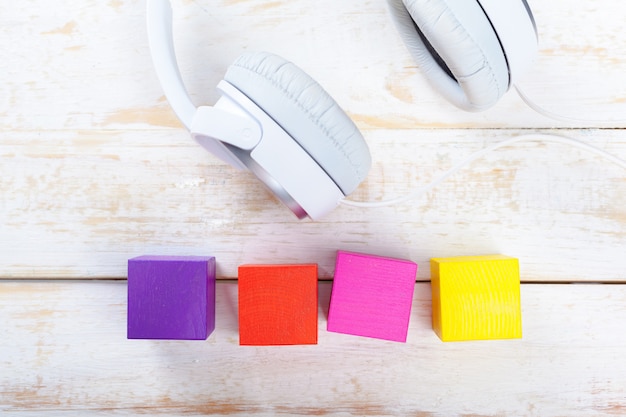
(95, 169)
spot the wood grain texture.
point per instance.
(95, 169)
(64, 352)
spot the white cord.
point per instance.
(534, 137)
(559, 117)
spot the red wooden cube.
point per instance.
(278, 304)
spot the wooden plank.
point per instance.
(85, 65)
(86, 202)
(64, 352)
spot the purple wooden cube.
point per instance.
(171, 297)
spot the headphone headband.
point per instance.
(160, 39)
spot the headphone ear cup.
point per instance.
(456, 47)
(306, 112)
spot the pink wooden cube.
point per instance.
(371, 296)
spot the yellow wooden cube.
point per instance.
(476, 297)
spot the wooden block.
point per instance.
(476, 297)
(171, 297)
(371, 296)
(278, 304)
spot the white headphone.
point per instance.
(272, 119)
(277, 122)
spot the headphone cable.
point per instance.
(547, 113)
(533, 137)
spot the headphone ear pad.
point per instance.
(306, 112)
(456, 47)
